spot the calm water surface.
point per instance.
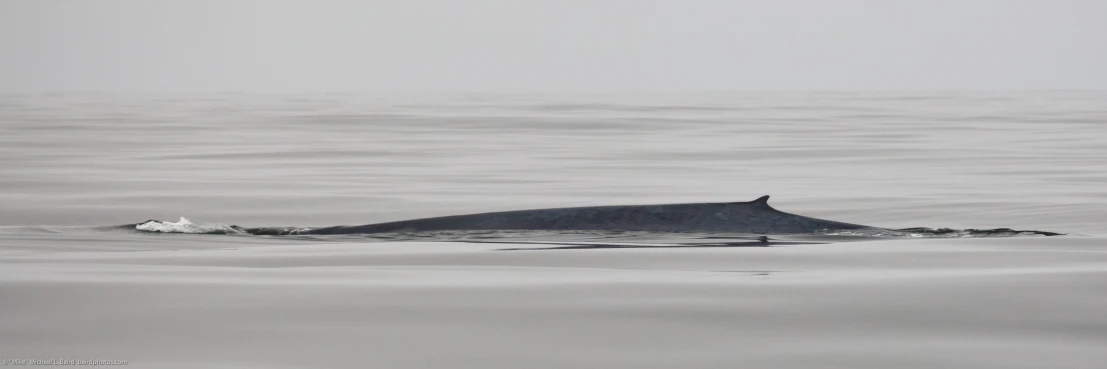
(71, 163)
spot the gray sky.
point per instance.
(550, 46)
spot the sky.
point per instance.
(550, 46)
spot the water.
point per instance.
(74, 165)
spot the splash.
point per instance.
(185, 226)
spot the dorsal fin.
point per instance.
(761, 202)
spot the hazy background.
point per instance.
(542, 46)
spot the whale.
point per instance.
(750, 217)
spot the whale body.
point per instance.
(755, 217)
(751, 217)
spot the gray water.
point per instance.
(73, 164)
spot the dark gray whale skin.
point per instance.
(754, 217)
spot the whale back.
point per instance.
(755, 217)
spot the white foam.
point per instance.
(185, 226)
